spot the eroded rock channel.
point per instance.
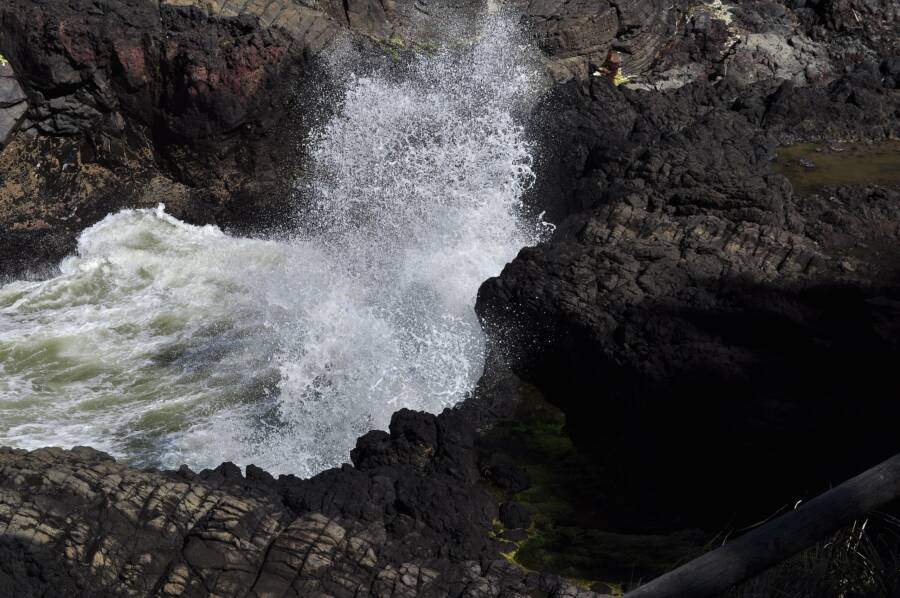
(700, 341)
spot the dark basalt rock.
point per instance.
(722, 331)
(732, 339)
(408, 520)
(514, 515)
(133, 104)
(577, 36)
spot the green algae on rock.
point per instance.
(572, 532)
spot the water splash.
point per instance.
(169, 343)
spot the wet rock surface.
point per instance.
(721, 345)
(723, 330)
(195, 103)
(137, 103)
(407, 520)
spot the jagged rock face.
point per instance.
(721, 331)
(12, 103)
(746, 42)
(187, 79)
(577, 36)
(312, 24)
(408, 520)
(714, 339)
(195, 103)
(196, 72)
(142, 103)
(846, 22)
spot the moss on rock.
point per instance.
(570, 532)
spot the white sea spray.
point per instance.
(167, 343)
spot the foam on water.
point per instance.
(166, 343)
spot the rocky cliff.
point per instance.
(732, 338)
(724, 330)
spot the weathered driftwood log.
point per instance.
(720, 569)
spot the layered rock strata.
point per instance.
(407, 520)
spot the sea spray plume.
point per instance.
(415, 193)
(169, 343)
(435, 135)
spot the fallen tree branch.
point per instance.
(717, 571)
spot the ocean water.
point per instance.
(165, 343)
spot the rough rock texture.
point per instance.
(731, 339)
(749, 41)
(199, 104)
(12, 102)
(137, 103)
(721, 345)
(576, 36)
(407, 520)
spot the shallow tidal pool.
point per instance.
(811, 166)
